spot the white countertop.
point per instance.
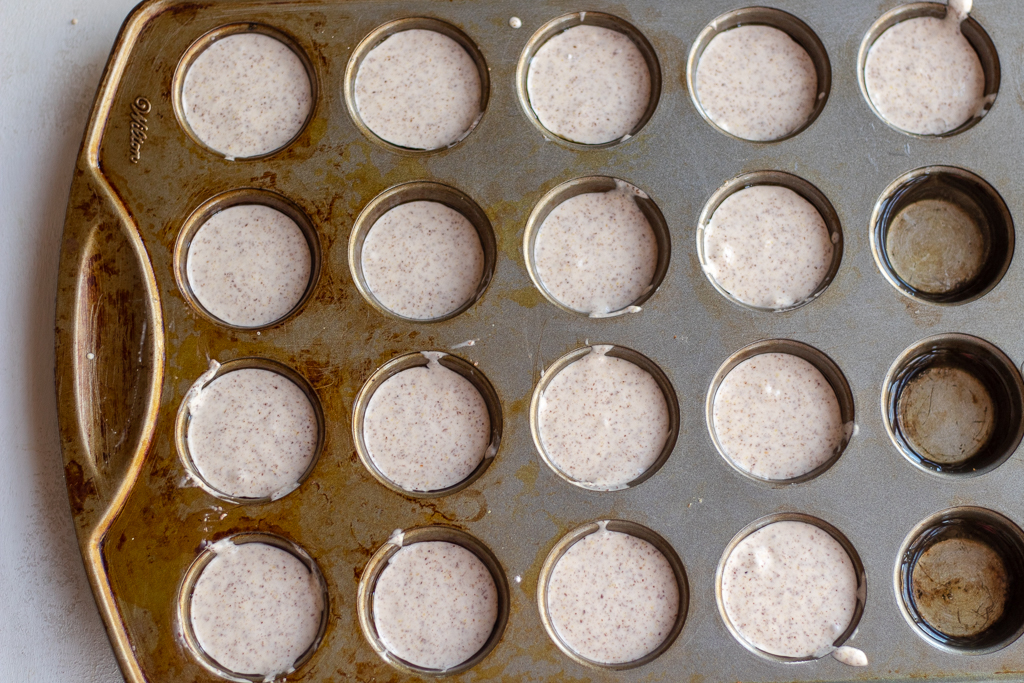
(53, 52)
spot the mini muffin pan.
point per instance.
(132, 340)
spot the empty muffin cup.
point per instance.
(604, 418)
(247, 259)
(780, 412)
(791, 588)
(433, 601)
(416, 85)
(422, 252)
(613, 595)
(597, 246)
(959, 580)
(769, 241)
(250, 430)
(942, 235)
(244, 91)
(758, 74)
(927, 69)
(953, 404)
(427, 424)
(252, 607)
(569, 66)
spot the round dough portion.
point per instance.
(767, 246)
(777, 417)
(756, 82)
(603, 421)
(596, 252)
(252, 433)
(924, 77)
(418, 89)
(422, 260)
(426, 428)
(246, 95)
(612, 597)
(249, 265)
(589, 84)
(255, 608)
(790, 589)
(435, 604)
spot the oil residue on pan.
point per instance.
(506, 234)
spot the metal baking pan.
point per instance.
(130, 342)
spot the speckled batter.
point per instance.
(426, 428)
(246, 95)
(790, 589)
(435, 604)
(777, 417)
(252, 433)
(596, 252)
(756, 82)
(613, 597)
(418, 89)
(422, 260)
(256, 608)
(248, 265)
(923, 76)
(603, 420)
(850, 656)
(589, 84)
(767, 246)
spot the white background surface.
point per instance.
(50, 630)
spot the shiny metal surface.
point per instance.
(130, 343)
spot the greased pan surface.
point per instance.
(130, 345)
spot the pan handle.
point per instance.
(110, 350)
(109, 371)
(110, 346)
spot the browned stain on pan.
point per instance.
(141, 522)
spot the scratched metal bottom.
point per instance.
(130, 344)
